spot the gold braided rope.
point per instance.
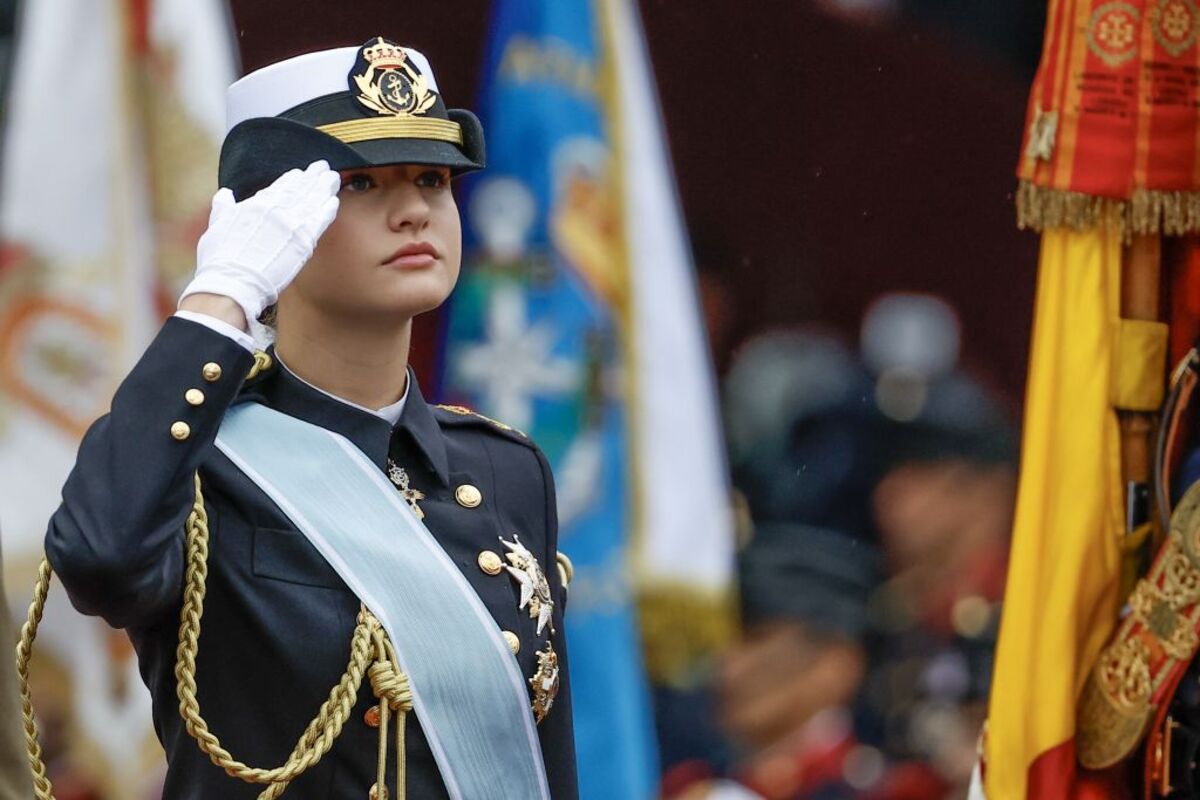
(42, 788)
(370, 653)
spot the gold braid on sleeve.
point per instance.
(371, 655)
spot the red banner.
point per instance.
(1112, 125)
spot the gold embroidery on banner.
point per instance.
(1174, 23)
(1112, 33)
(1124, 671)
(1181, 581)
(1155, 609)
(1115, 709)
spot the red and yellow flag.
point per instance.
(1061, 599)
(1110, 160)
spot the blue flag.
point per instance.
(535, 338)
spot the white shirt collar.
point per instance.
(391, 413)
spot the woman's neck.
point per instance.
(363, 364)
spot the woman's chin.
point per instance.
(407, 306)
(415, 295)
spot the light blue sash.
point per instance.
(467, 690)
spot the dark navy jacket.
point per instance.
(277, 618)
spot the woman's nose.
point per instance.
(407, 208)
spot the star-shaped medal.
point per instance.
(398, 476)
(535, 589)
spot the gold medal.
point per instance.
(535, 589)
(398, 476)
(545, 682)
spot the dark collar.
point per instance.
(372, 434)
(418, 420)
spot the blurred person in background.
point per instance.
(802, 458)
(798, 431)
(942, 510)
(879, 487)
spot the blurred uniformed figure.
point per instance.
(337, 219)
(879, 488)
(942, 509)
(802, 459)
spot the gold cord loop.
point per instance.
(370, 653)
(42, 788)
(390, 685)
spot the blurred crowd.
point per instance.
(877, 486)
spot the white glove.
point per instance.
(253, 249)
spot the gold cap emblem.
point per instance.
(387, 81)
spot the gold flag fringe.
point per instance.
(682, 628)
(1146, 212)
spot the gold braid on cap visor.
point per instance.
(359, 130)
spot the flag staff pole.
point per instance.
(1141, 281)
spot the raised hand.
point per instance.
(254, 248)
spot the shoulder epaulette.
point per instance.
(464, 414)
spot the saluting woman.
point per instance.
(333, 586)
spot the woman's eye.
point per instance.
(358, 183)
(433, 179)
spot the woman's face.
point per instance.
(393, 251)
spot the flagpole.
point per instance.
(1141, 281)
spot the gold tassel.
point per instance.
(1146, 212)
(681, 627)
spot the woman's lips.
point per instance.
(413, 256)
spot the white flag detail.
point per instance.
(683, 553)
(114, 122)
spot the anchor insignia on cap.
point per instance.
(535, 589)
(389, 83)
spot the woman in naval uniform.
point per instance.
(323, 600)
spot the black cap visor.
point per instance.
(259, 150)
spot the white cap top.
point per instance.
(275, 88)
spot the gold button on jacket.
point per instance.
(468, 496)
(490, 562)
